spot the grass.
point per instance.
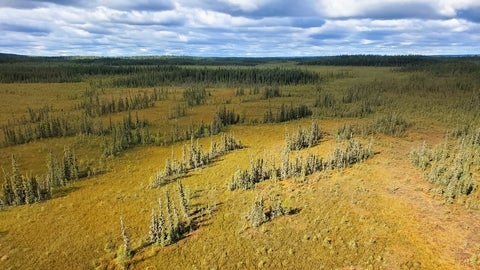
(373, 215)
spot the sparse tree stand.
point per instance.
(259, 214)
(194, 156)
(300, 167)
(19, 189)
(168, 228)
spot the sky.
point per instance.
(242, 28)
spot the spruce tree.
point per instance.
(170, 226)
(183, 203)
(257, 212)
(30, 186)
(126, 239)
(17, 183)
(162, 230)
(154, 228)
(8, 195)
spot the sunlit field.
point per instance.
(310, 163)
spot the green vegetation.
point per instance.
(261, 170)
(285, 113)
(193, 157)
(304, 138)
(451, 166)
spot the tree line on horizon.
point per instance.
(163, 70)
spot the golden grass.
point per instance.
(375, 215)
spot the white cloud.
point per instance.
(246, 5)
(234, 27)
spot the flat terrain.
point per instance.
(377, 214)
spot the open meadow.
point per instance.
(358, 162)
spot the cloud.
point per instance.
(28, 29)
(142, 5)
(238, 28)
(30, 4)
(472, 15)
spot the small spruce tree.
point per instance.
(126, 239)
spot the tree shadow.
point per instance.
(294, 211)
(168, 180)
(63, 191)
(199, 218)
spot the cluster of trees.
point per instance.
(177, 111)
(48, 127)
(195, 95)
(303, 138)
(356, 101)
(118, 136)
(150, 71)
(449, 166)
(370, 60)
(271, 92)
(169, 223)
(287, 113)
(241, 91)
(37, 115)
(94, 106)
(20, 189)
(261, 170)
(260, 214)
(167, 75)
(194, 156)
(40, 72)
(135, 74)
(223, 118)
(392, 124)
(126, 134)
(59, 174)
(344, 132)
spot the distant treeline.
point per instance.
(163, 70)
(147, 60)
(149, 76)
(165, 75)
(370, 60)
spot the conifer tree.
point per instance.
(162, 230)
(154, 228)
(170, 226)
(8, 195)
(257, 212)
(17, 183)
(183, 203)
(285, 164)
(126, 239)
(52, 176)
(30, 186)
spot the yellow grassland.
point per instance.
(378, 214)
